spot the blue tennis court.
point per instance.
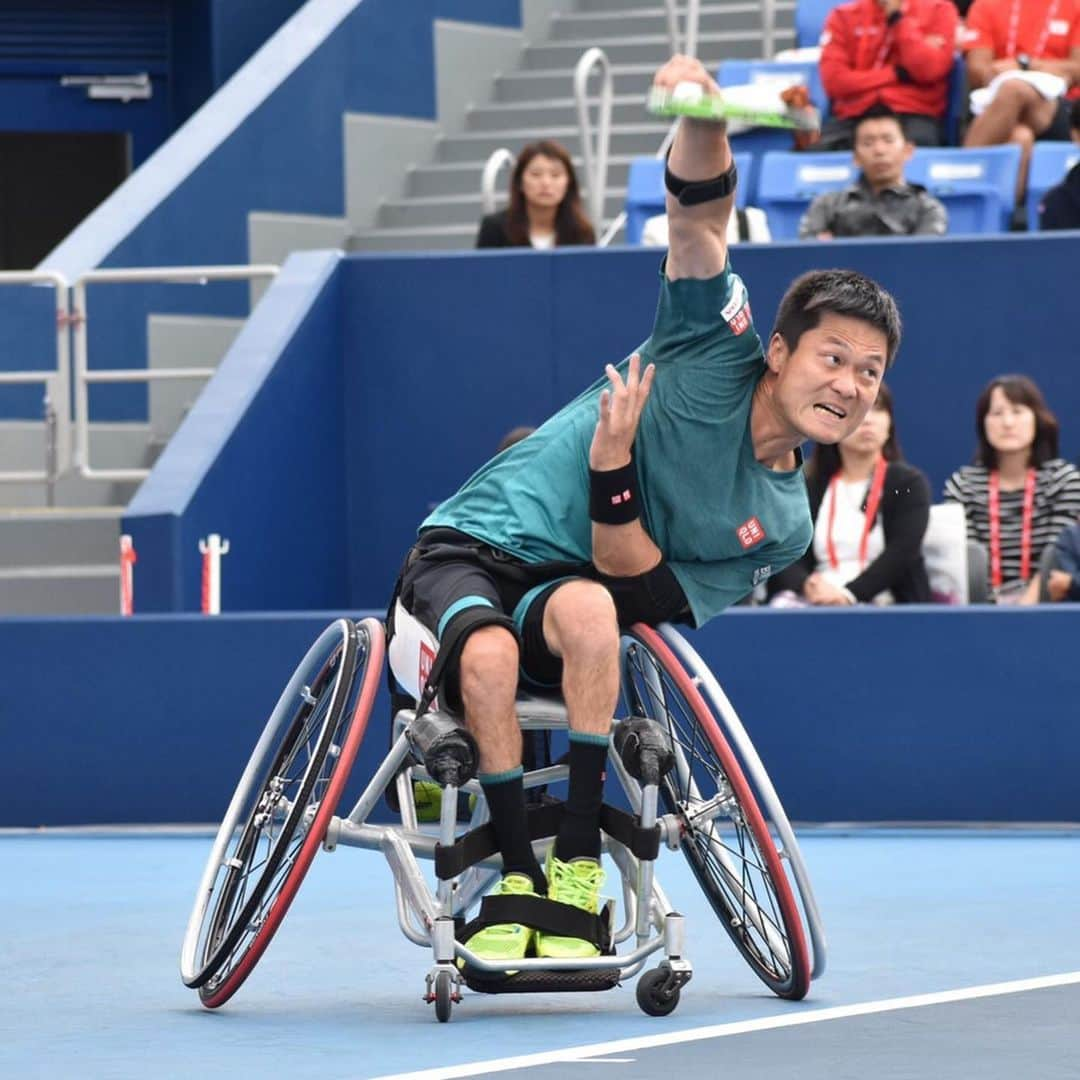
(95, 919)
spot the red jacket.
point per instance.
(861, 52)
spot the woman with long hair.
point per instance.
(545, 208)
(1019, 494)
(870, 511)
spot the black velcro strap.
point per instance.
(695, 192)
(547, 916)
(480, 843)
(623, 827)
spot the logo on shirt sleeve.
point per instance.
(750, 533)
(761, 574)
(736, 312)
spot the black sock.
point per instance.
(505, 796)
(579, 834)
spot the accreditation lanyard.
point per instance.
(873, 501)
(1025, 527)
(1014, 30)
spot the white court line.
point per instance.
(742, 1027)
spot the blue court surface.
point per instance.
(952, 953)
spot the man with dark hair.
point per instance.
(896, 53)
(666, 491)
(881, 202)
(1060, 207)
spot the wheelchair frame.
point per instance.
(430, 918)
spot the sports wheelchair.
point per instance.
(689, 773)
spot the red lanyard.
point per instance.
(873, 501)
(1014, 30)
(1025, 528)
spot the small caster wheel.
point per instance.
(657, 992)
(443, 996)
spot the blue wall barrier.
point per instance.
(445, 353)
(913, 714)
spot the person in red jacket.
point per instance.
(1022, 36)
(895, 52)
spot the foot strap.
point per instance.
(479, 844)
(547, 916)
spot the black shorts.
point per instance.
(1058, 130)
(451, 581)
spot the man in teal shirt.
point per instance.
(666, 491)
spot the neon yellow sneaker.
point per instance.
(505, 941)
(577, 882)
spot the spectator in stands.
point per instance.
(1060, 207)
(897, 53)
(870, 512)
(881, 202)
(1018, 495)
(514, 435)
(1063, 577)
(545, 208)
(1022, 39)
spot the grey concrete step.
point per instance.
(461, 210)
(42, 538)
(561, 112)
(112, 445)
(714, 18)
(634, 6)
(71, 490)
(650, 49)
(179, 341)
(463, 178)
(531, 85)
(442, 238)
(61, 590)
(628, 139)
(272, 238)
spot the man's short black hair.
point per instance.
(839, 292)
(877, 111)
(1074, 115)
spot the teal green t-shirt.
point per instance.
(723, 521)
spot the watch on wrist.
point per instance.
(1023, 60)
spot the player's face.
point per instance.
(1009, 426)
(544, 182)
(872, 434)
(881, 151)
(827, 385)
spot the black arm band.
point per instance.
(693, 192)
(613, 496)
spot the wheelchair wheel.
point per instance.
(725, 838)
(282, 807)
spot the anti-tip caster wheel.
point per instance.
(444, 996)
(657, 992)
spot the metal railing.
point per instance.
(595, 156)
(768, 28)
(683, 41)
(191, 275)
(492, 167)
(56, 382)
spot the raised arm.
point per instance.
(697, 246)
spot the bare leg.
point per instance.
(1024, 137)
(489, 676)
(580, 626)
(1015, 103)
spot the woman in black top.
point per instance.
(870, 511)
(545, 208)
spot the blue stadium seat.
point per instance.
(749, 72)
(1050, 161)
(810, 20)
(977, 184)
(645, 191)
(788, 183)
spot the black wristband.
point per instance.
(694, 192)
(613, 496)
(894, 18)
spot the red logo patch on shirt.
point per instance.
(750, 533)
(740, 321)
(427, 662)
